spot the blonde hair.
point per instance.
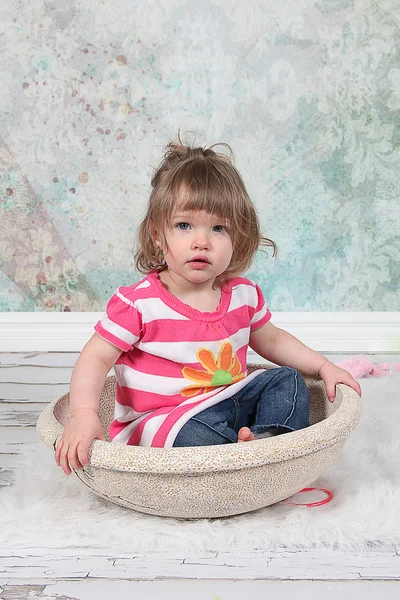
(202, 180)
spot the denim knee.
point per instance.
(294, 416)
(302, 398)
(302, 389)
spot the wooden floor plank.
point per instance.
(95, 589)
(14, 414)
(318, 564)
(23, 392)
(34, 375)
(42, 359)
(12, 439)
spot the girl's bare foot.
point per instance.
(246, 435)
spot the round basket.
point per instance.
(211, 481)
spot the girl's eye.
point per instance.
(182, 226)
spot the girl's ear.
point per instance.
(154, 235)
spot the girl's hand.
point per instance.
(80, 431)
(331, 375)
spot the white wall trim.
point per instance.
(355, 332)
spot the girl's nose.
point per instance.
(200, 240)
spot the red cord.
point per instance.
(328, 498)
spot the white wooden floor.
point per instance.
(27, 383)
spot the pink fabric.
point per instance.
(176, 360)
(361, 366)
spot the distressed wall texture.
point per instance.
(306, 92)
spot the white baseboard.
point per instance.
(356, 332)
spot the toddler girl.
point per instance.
(178, 338)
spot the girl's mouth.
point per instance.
(199, 263)
(198, 259)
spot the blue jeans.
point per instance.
(274, 402)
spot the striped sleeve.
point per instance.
(121, 323)
(261, 314)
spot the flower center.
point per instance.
(221, 378)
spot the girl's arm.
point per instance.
(87, 382)
(282, 348)
(89, 374)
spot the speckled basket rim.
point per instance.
(230, 457)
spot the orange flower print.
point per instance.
(226, 369)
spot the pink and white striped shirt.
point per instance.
(176, 360)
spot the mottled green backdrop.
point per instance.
(306, 92)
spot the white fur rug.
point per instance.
(44, 508)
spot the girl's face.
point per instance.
(199, 248)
